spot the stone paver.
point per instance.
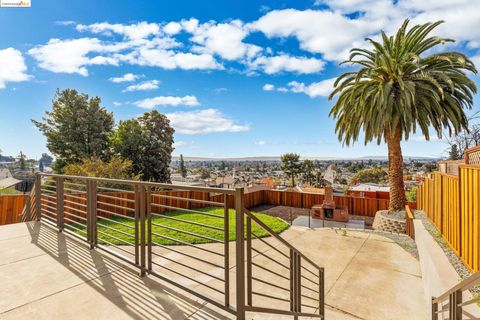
(47, 275)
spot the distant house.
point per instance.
(9, 182)
(367, 190)
(226, 182)
(5, 173)
(6, 179)
(310, 189)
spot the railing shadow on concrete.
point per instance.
(138, 297)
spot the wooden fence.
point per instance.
(452, 203)
(11, 206)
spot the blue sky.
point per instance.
(236, 78)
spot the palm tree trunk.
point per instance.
(395, 171)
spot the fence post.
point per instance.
(138, 208)
(434, 309)
(60, 192)
(92, 213)
(457, 300)
(38, 196)
(240, 253)
(143, 207)
(249, 261)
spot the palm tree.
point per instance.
(399, 89)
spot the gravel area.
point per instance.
(461, 269)
(403, 241)
(397, 215)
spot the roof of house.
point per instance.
(309, 189)
(257, 188)
(5, 173)
(225, 180)
(369, 187)
(8, 182)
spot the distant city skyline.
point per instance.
(236, 79)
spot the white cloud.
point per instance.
(184, 144)
(318, 31)
(268, 87)
(65, 22)
(204, 121)
(151, 103)
(224, 39)
(327, 32)
(260, 142)
(128, 77)
(70, 56)
(12, 67)
(117, 104)
(172, 28)
(284, 62)
(135, 31)
(143, 86)
(219, 90)
(316, 89)
(168, 59)
(476, 60)
(313, 90)
(333, 31)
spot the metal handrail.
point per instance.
(142, 183)
(454, 296)
(295, 276)
(142, 206)
(279, 238)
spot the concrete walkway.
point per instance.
(46, 275)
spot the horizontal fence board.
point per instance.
(121, 203)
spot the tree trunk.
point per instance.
(395, 171)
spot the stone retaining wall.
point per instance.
(383, 222)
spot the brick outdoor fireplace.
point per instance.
(328, 210)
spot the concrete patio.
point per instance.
(47, 275)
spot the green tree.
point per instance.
(412, 195)
(22, 164)
(370, 175)
(308, 171)
(320, 181)
(182, 168)
(147, 141)
(291, 165)
(77, 127)
(40, 166)
(399, 88)
(46, 159)
(454, 153)
(116, 168)
(204, 174)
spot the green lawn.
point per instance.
(274, 223)
(10, 190)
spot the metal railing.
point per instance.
(285, 280)
(454, 304)
(145, 224)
